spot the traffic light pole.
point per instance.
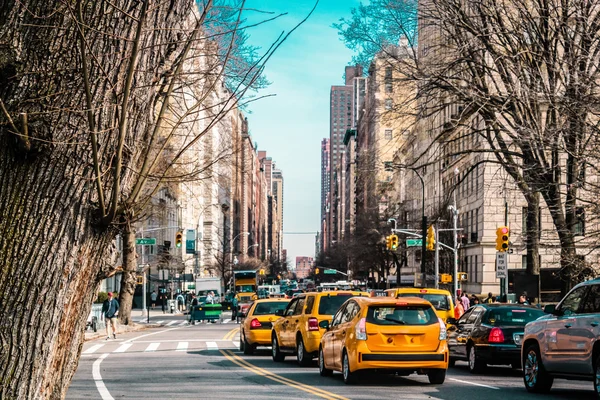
(437, 262)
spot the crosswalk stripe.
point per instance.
(152, 347)
(234, 344)
(227, 320)
(212, 346)
(93, 349)
(159, 322)
(123, 348)
(182, 346)
(171, 322)
(183, 323)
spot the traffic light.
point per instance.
(140, 280)
(502, 238)
(262, 271)
(388, 242)
(430, 238)
(445, 278)
(393, 242)
(178, 239)
(316, 271)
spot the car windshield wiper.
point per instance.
(395, 320)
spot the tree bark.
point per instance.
(533, 236)
(128, 277)
(55, 245)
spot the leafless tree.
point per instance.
(524, 75)
(96, 112)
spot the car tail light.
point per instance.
(255, 324)
(496, 336)
(313, 324)
(443, 331)
(361, 329)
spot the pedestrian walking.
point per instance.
(180, 302)
(163, 303)
(110, 310)
(459, 310)
(489, 299)
(466, 303)
(153, 297)
(234, 309)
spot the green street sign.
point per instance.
(414, 242)
(145, 241)
(330, 272)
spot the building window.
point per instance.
(388, 134)
(388, 80)
(388, 104)
(579, 226)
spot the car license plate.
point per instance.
(518, 338)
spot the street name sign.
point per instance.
(501, 265)
(330, 272)
(145, 241)
(190, 241)
(414, 242)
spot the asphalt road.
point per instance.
(181, 361)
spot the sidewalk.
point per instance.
(136, 314)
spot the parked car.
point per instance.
(256, 329)
(381, 333)
(565, 343)
(299, 331)
(490, 334)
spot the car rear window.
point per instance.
(330, 304)
(269, 307)
(512, 316)
(402, 315)
(438, 301)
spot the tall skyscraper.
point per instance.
(325, 176)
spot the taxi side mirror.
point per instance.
(549, 308)
(279, 313)
(324, 325)
(451, 321)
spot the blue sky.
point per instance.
(291, 125)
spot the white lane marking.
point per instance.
(212, 346)
(104, 393)
(182, 346)
(474, 384)
(152, 346)
(123, 348)
(183, 323)
(93, 349)
(171, 322)
(159, 322)
(234, 344)
(151, 334)
(227, 320)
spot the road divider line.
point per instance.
(171, 322)
(286, 381)
(104, 393)
(231, 334)
(474, 384)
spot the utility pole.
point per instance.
(437, 260)
(455, 229)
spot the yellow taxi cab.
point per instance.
(382, 333)
(256, 328)
(439, 298)
(300, 329)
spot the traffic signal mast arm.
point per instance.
(418, 236)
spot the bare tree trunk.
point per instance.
(533, 236)
(128, 280)
(50, 262)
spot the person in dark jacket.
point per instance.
(110, 310)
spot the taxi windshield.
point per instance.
(420, 314)
(512, 316)
(269, 308)
(330, 304)
(438, 301)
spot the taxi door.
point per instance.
(287, 316)
(459, 338)
(293, 323)
(328, 339)
(342, 331)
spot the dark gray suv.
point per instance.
(566, 342)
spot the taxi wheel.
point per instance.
(349, 376)
(278, 356)
(535, 377)
(242, 343)
(248, 348)
(436, 376)
(303, 358)
(451, 362)
(322, 369)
